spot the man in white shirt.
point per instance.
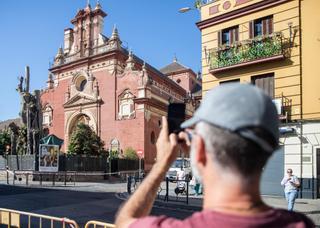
(181, 177)
(291, 184)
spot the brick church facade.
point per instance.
(95, 80)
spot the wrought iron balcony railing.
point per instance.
(247, 52)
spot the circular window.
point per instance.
(81, 83)
(153, 138)
(178, 81)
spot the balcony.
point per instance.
(247, 52)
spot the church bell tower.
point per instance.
(84, 37)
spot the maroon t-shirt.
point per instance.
(207, 219)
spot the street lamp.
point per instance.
(185, 9)
(197, 6)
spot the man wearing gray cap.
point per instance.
(230, 137)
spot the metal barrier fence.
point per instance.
(30, 176)
(97, 224)
(77, 163)
(17, 162)
(179, 188)
(63, 178)
(14, 218)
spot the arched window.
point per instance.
(115, 145)
(126, 105)
(82, 85)
(47, 115)
(81, 82)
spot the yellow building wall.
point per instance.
(234, 6)
(310, 26)
(286, 72)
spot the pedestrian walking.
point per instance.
(192, 185)
(200, 189)
(291, 184)
(181, 181)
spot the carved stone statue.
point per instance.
(30, 112)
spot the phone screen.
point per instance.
(176, 115)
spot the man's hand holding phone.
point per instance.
(176, 115)
(184, 140)
(166, 147)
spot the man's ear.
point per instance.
(201, 155)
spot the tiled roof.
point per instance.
(173, 67)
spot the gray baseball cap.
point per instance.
(238, 108)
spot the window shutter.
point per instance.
(270, 25)
(231, 33)
(251, 29)
(265, 82)
(264, 27)
(271, 86)
(219, 38)
(236, 34)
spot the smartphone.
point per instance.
(176, 115)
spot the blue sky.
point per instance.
(32, 31)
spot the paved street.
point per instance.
(80, 205)
(100, 201)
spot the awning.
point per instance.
(51, 140)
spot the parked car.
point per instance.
(177, 164)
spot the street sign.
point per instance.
(140, 154)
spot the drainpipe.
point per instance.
(301, 100)
(312, 184)
(301, 156)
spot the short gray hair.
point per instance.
(231, 151)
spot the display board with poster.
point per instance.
(48, 158)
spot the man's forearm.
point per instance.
(140, 203)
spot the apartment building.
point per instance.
(273, 44)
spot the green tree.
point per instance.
(5, 140)
(131, 154)
(199, 3)
(113, 154)
(22, 140)
(85, 141)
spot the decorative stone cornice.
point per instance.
(239, 13)
(81, 100)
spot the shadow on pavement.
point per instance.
(77, 205)
(80, 206)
